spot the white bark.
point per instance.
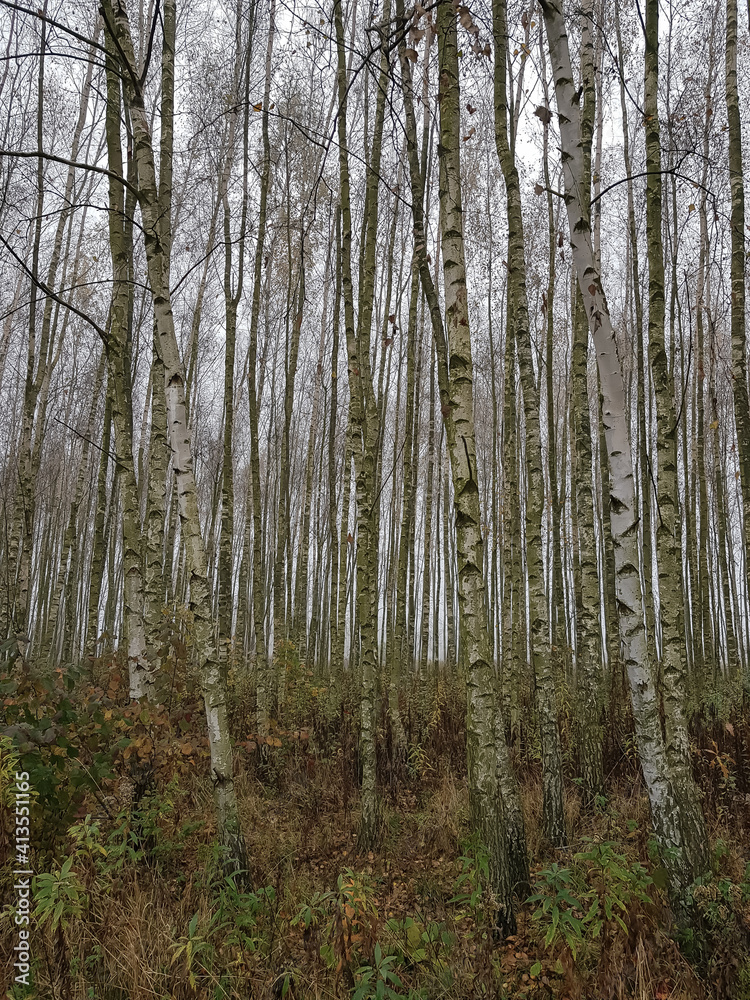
(214, 692)
(682, 839)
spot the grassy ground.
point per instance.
(143, 910)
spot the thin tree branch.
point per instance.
(85, 437)
(147, 60)
(35, 154)
(55, 24)
(53, 295)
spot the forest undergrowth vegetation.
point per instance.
(133, 901)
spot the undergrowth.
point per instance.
(132, 902)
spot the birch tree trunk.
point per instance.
(486, 803)
(512, 541)
(398, 660)
(707, 641)
(668, 528)
(263, 680)
(588, 686)
(739, 343)
(120, 387)
(678, 822)
(337, 558)
(364, 422)
(158, 452)
(232, 297)
(553, 820)
(643, 379)
(214, 693)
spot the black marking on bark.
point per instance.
(633, 527)
(468, 460)
(656, 492)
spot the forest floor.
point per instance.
(132, 902)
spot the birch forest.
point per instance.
(374, 499)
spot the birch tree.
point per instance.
(678, 821)
(118, 29)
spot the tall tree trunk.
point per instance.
(553, 819)
(214, 692)
(120, 385)
(364, 421)
(158, 452)
(679, 826)
(484, 795)
(739, 344)
(643, 380)
(588, 677)
(512, 597)
(668, 528)
(707, 641)
(398, 660)
(232, 299)
(263, 680)
(338, 579)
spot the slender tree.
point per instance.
(678, 824)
